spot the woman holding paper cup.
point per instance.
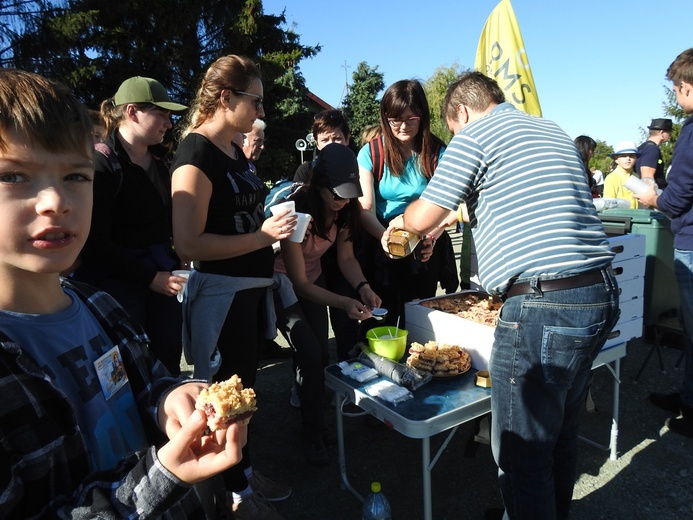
(331, 199)
(218, 221)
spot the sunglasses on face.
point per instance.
(333, 193)
(336, 197)
(258, 98)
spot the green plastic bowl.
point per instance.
(381, 342)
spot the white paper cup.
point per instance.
(183, 273)
(299, 232)
(278, 209)
(636, 185)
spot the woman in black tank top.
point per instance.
(218, 222)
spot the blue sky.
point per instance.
(599, 66)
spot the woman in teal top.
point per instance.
(394, 170)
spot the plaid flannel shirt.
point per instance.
(44, 465)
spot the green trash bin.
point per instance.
(661, 289)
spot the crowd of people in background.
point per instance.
(200, 210)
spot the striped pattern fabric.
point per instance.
(530, 205)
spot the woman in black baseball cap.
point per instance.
(331, 199)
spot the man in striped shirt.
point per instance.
(541, 246)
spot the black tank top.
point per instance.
(236, 206)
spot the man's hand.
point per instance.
(649, 197)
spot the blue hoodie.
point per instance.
(677, 198)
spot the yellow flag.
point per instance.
(501, 55)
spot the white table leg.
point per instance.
(339, 401)
(614, 411)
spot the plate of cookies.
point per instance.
(442, 361)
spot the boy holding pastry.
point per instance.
(84, 405)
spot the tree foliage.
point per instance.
(361, 105)
(601, 160)
(436, 87)
(16, 17)
(93, 45)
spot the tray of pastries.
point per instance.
(441, 361)
(475, 306)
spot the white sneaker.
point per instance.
(255, 507)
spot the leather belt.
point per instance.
(557, 284)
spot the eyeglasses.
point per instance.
(258, 97)
(397, 123)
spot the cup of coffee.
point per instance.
(299, 232)
(183, 273)
(279, 209)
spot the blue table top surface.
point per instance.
(434, 399)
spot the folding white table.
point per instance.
(439, 406)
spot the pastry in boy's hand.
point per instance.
(226, 403)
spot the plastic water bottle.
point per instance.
(376, 506)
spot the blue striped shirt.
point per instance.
(531, 211)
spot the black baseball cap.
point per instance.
(341, 168)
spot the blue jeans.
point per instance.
(540, 365)
(683, 267)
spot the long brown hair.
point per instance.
(400, 96)
(228, 72)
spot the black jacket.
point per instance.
(131, 222)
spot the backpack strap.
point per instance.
(377, 158)
(436, 153)
(106, 151)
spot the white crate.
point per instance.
(631, 289)
(630, 269)
(627, 246)
(426, 324)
